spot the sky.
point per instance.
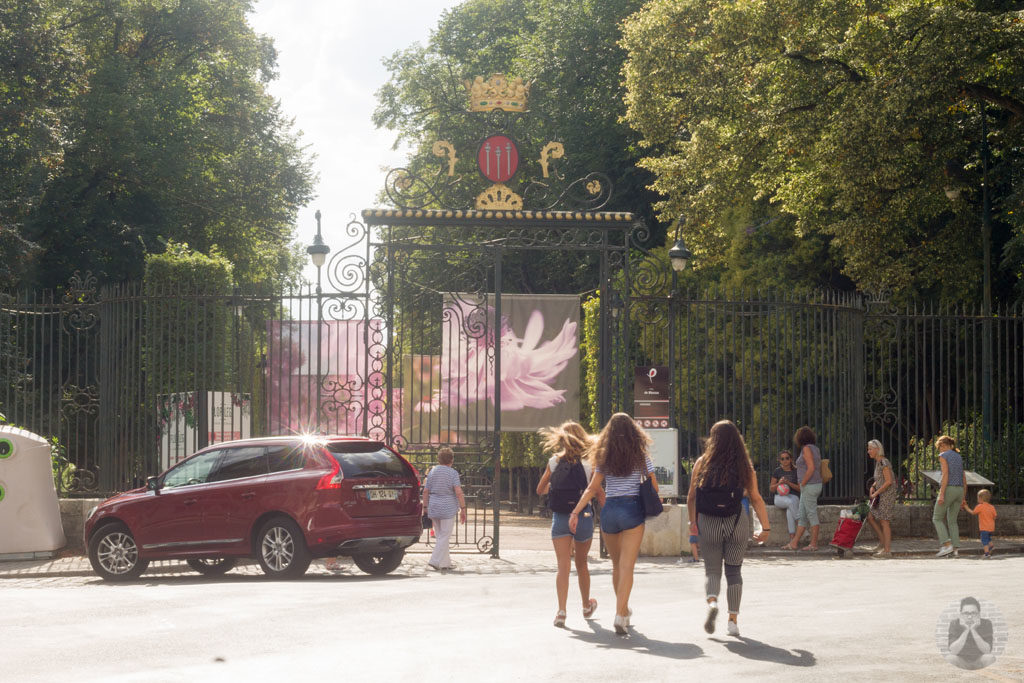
(330, 56)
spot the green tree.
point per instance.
(850, 120)
(41, 71)
(164, 130)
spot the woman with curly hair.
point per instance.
(567, 475)
(808, 471)
(714, 503)
(621, 464)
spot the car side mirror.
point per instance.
(153, 484)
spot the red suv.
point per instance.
(282, 500)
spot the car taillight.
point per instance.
(331, 480)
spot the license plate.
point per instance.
(382, 494)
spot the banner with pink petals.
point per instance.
(540, 374)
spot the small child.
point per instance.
(986, 515)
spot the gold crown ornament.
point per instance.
(497, 92)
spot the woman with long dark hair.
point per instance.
(621, 463)
(565, 478)
(714, 503)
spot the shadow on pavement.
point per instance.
(763, 652)
(636, 641)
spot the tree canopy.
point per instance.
(570, 53)
(855, 124)
(126, 124)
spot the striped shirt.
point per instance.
(629, 485)
(956, 468)
(441, 483)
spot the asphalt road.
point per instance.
(860, 620)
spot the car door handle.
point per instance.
(248, 495)
(190, 501)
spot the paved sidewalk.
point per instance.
(525, 549)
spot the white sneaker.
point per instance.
(732, 628)
(945, 550)
(709, 623)
(621, 624)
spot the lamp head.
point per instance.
(318, 251)
(679, 255)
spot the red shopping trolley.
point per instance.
(846, 535)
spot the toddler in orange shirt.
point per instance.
(986, 515)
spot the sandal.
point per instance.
(560, 618)
(588, 611)
(812, 548)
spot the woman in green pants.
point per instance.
(951, 494)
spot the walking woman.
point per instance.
(883, 499)
(621, 463)
(565, 478)
(713, 502)
(786, 489)
(951, 494)
(808, 472)
(442, 498)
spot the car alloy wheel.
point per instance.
(114, 554)
(380, 563)
(281, 549)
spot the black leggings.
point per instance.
(724, 539)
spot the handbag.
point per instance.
(826, 473)
(427, 522)
(650, 503)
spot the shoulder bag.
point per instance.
(826, 473)
(649, 500)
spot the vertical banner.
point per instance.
(650, 396)
(421, 398)
(665, 456)
(540, 373)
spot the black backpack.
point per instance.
(568, 482)
(720, 501)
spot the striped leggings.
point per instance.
(724, 539)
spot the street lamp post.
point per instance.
(953, 194)
(679, 256)
(986, 303)
(318, 254)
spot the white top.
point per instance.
(587, 466)
(629, 485)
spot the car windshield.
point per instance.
(367, 459)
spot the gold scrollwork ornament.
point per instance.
(552, 150)
(443, 148)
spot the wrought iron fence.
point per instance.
(932, 370)
(128, 379)
(769, 364)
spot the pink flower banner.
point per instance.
(538, 336)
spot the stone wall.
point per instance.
(667, 534)
(73, 512)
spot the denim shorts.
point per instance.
(621, 513)
(584, 525)
(986, 537)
